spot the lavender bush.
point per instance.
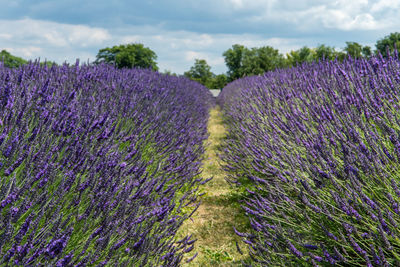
(317, 148)
(97, 165)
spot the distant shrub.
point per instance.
(11, 61)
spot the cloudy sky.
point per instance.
(181, 30)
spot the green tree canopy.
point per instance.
(10, 60)
(218, 81)
(234, 61)
(325, 52)
(128, 56)
(170, 73)
(366, 51)
(353, 49)
(300, 56)
(49, 64)
(356, 50)
(242, 61)
(388, 42)
(200, 72)
(262, 59)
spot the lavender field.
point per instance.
(315, 151)
(102, 167)
(97, 165)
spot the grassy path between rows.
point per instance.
(212, 224)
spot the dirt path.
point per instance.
(213, 222)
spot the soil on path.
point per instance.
(212, 224)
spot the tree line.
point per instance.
(11, 61)
(240, 60)
(122, 56)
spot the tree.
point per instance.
(353, 49)
(49, 64)
(300, 56)
(259, 60)
(200, 72)
(366, 51)
(356, 50)
(10, 60)
(218, 81)
(128, 56)
(388, 42)
(234, 61)
(170, 73)
(242, 61)
(325, 52)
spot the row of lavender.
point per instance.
(318, 149)
(97, 165)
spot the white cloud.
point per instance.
(237, 3)
(32, 39)
(353, 6)
(5, 36)
(185, 47)
(85, 35)
(337, 19)
(176, 50)
(55, 38)
(345, 15)
(130, 39)
(383, 5)
(311, 16)
(202, 40)
(28, 51)
(190, 56)
(57, 34)
(251, 4)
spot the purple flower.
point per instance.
(329, 257)
(365, 235)
(382, 234)
(339, 255)
(382, 257)
(55, 247)
(356, 246)
(294, 250)
(7, 151)
(138, 244)
(9, 199)
(119, 244)
(123, 164)
(315, 257)
(309, 246)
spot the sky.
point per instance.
(180, 31)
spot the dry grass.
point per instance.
(212, 224)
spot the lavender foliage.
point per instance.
(97, 165)
(319, 148)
